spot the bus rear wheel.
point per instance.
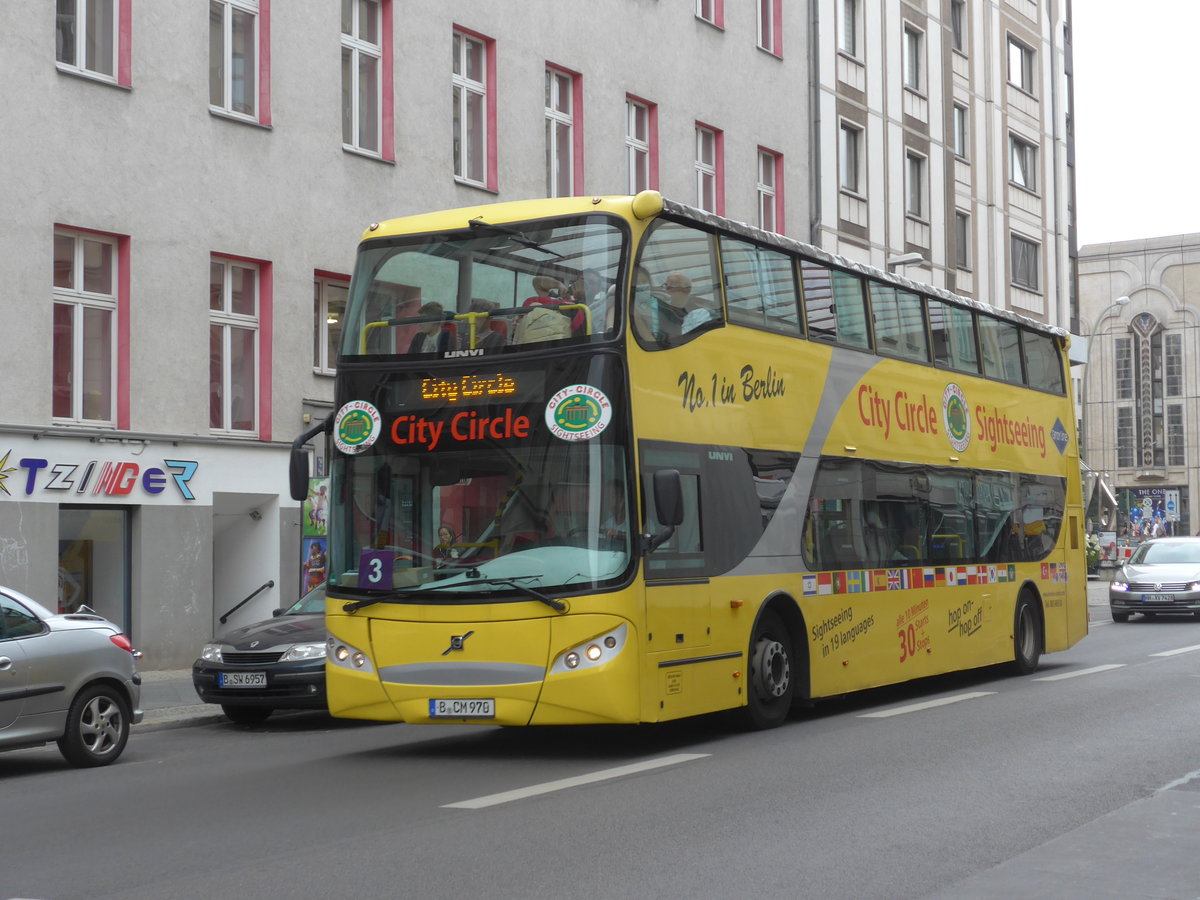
(771, 680)
(1027, 635)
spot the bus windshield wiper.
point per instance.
(518, 237)
(424, 590)
(556, 605)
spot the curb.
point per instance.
(177, 717)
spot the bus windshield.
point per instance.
(479, 501)
(486, 289)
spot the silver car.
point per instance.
(1162, 576)
(68, 678)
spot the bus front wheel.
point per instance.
(1027, 635)
(771, 682)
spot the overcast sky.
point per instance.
(1137, 118)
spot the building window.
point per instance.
(237, 43)
(92, 37)
(1025, 263)
(234, 319)
(850, 159)
(474, 113)
(88, 282)
(1125, 449)
(1022, 157)
(848, 28)
(914, 61)
(1020, 66)
(564, 176)
(1173, 363)
(958, 25)
(641, 127)
(710, 169)
(711, 11)
(364, 71)
(1176, 440)
(959, 130)
(962, 239)
(770, 192)
(914, 186)
(1123, 367)
(770, 26)
(329, 310)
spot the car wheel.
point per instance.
(246, 715)
(1027, 635)
(1120, 617)
(771, 682)
(97, 727)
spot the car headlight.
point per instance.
(595, 652)
(1119, 586)
(303, 651)
(1193, 587)
(212, 653)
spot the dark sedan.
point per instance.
(277, 664)
(1162, 576)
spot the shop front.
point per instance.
(160, 535)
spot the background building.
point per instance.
(184, 186)
(1140, 396)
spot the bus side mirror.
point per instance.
(298, 462)
(298, 473)
(668, 507)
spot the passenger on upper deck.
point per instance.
(430, 337)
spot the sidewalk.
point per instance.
(170, 701)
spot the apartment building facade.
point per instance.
(942, 131)
(184, 187)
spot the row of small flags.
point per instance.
(862, 581)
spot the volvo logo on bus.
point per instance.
(957, 417)
(356, 427)
(457, 641)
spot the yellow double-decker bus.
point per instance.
(615, 460)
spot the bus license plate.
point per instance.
(462, 709)
(1158, 598)
(242, 679)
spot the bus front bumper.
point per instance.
(573, 669)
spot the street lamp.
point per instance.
(904, 259)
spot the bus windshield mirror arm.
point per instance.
(651, 542)
(517, 236)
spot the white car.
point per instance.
(69, 678)
(1162, 576)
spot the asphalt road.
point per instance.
(1080, 781)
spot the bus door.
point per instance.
(678, 598)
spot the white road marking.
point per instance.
(928, 704)
(1190, 649)
(564, 783)
(1179, 782)
(1093, 670)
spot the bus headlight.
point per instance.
(347, 656)
(591, 653)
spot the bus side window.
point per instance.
(676, 296)
(760, 287)
(834, 306)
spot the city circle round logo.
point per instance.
(356, 427)
(579, 412)
(957, 417)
